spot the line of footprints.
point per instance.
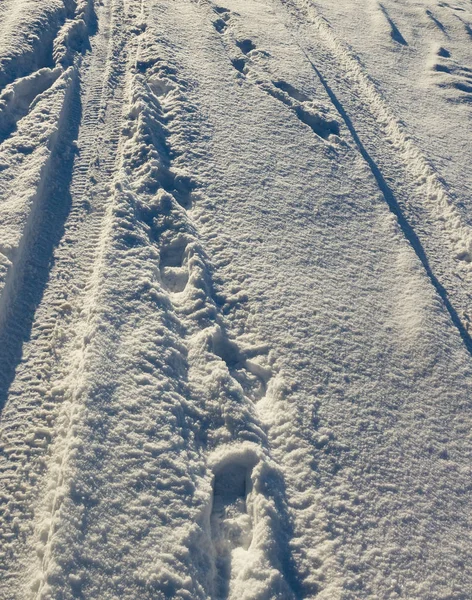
(314, 115)
(185, 273)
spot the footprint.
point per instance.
(144, 65)
(231, 525)
(161, 86)
(297, 101)
(441, 68)
(305, 110)
(436, 21)
(255, 378)
(395, 32)
(245, 46)
(451, 75)
(291, 91)
(173, 265)
(220, 25)
(245, 366)
(443, 53)
(465, 87)
(446, 5)
(181, 187)
(239, 64)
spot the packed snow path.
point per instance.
(235, 298)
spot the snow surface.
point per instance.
(235, 290)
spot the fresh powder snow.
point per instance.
(235, 299)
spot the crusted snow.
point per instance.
(235, 285)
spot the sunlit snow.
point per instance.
(235, 299)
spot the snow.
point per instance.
(235, 288)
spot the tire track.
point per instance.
(65, 297)
(33, 223)
(420, 199)
(95, 171)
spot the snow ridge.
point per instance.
(39, 119)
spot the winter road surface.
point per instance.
(235, 298)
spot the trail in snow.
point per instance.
(426, 187)
(96, 168)
(29, 282)
(234, 309)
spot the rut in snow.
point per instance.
(395, 32)
(94, 173)
(231, 431)
(29, 272)
(37, 53)
(47, 291)
(18, 98)
(48, 206)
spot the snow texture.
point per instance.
(235, 290)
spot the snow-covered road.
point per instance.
(235, 298)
